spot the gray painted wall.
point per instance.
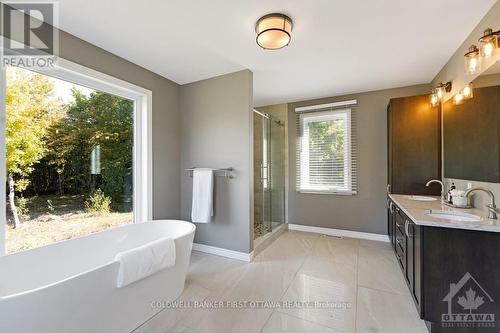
(365, 211)
(216, 130)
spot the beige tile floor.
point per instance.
(363, 276)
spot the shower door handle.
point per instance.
(262, 173)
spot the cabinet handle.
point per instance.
(407, 229)
(388, 189)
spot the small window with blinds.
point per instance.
(326, 155)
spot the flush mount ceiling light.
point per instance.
(273, 31)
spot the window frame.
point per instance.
(142, 152)
(303, 163)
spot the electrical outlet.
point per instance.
(469, 185)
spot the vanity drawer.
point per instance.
(401, 257)
(401, 244)
(400, 238)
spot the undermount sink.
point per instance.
(454, 216)
(421, 198)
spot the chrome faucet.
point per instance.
(443, 199)
(492, 208)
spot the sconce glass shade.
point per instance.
(488, 43)
(433, 98)
(467, 92)
(472, 61)
(273, 31)
(440, 91)
(458, 98)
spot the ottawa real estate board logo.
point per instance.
(28, 38)
(468, 305)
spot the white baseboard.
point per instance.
(339, 232)
(248, 257)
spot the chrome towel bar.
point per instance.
(225, 172)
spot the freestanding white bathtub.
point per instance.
(71, 286)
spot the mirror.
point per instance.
(471, 131)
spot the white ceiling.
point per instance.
(338, 46)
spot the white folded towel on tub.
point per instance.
(146, 260)
(203, 194)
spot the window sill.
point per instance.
(343, 193)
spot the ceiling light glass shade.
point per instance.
(433, 98)
(467, 91)
(273, 31)
(488, 44)
(472, 61)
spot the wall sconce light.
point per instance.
(472, 60)
(489, 43)
(437, 94)
(443, 88)
(467, 92)
(273, 31)
(458, 98)
(434, 98)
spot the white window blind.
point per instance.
(326, 152)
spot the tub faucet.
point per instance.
(492, 208)
(443, 199)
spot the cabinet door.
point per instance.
(417, 265)
(400, 238)
(390, 223)
(410, 253)
(414, 143)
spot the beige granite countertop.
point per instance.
(418, 212)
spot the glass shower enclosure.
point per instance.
(269, 173)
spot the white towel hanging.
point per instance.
(203, 186)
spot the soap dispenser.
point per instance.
(450, 197)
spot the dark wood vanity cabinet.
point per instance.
(434, 259)
(414, 145)
(407, 245)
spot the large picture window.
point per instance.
(76, 156)
(325, 154)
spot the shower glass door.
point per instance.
(269, 164)
(276, 174)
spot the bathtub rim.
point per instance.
(2, 298)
